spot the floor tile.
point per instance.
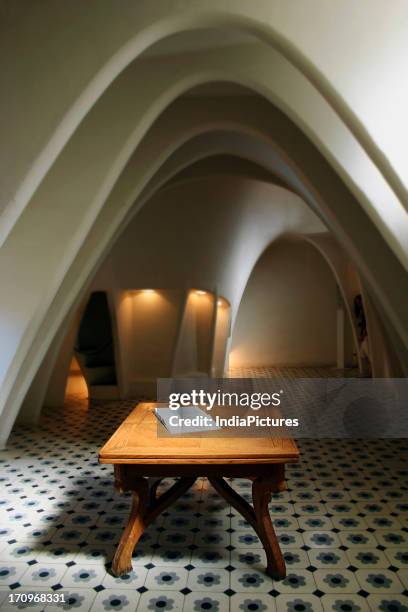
(250, 581)
(392, 538)
(43, 575)
(379, 581)
(211, 580)
(388, 603)
(172, 579)
(205, 602)
(245, 539)
(183, 521)
(217, 539)
(312, 523)
(336, 581)
(298, 603)
(357, 539)
(295, 559)
(132, 580)
(289, 539)
(397, 556)
(321, 539)
(158, 600)
(210, 557)
(21, 551)
(296, 581)
(171, 556)
(367, 558)
(182, 538)
(349, 523)
(308, 508)
(345, 603)
(285, 523)
(383, 522)
(11, 572)
(248, 558)
(328, 558)
(116, 599)
(245, 602)
(96, 554)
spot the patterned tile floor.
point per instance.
(342, 525)
(289, 372)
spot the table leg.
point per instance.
(259, 516)
(261, 496)
(146, 506)
(122, 562)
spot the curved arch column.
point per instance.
(145, 161)
(111, 44)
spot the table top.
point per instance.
(136, 441)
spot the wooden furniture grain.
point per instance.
(142, 459)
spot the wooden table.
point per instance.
(142, 459)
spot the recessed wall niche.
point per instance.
(170, 333)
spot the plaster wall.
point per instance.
(74, 65)
(287, 315)
(202, 234)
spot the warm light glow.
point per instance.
(200, 292)
(141, 292)
(222, 302)
(76, 387)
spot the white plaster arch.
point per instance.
(205, 146)
(389, 357)
(274, 156)
(101, 220)
(229, 267)
(276, 23)
(340, 266)
(346, 278)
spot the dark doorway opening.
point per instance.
(94, 349)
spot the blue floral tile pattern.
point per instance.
(342, 525)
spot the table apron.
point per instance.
(127, 472)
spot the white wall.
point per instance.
(287, 315)
(204, 234)
(147, 326)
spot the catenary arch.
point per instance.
(188, 155)
(276, 160)
(325, 243)
(254, 210)
(328, 247)
(143, 177)
(265, 72)
(385, 344)
(82, 207)
(276, 24)
(341, 269)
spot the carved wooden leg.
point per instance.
(261, 496)
(122, 562)
(233, 498)
(259, 516)
(146, 506)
